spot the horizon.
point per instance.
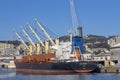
(96, 17)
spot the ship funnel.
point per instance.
(80, 31)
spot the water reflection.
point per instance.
(6, 75)
(75, 76)
(13, 75)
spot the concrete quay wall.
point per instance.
(109, 70)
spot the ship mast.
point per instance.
(21, 39)
(39, 39)
(25, 33)
(44, 31)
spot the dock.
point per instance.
(10, 65)
(110, 70)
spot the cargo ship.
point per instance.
(66, 58)
(56, 67)
(46, 63)
(54, 56)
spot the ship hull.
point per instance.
(34, 71)
(55, 67)
(84, 66)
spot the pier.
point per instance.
(110, 70)
(109, 67)
(5, 65)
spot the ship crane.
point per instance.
(21, 39)
(44, 31)
(39, 39)
(75, 24)
(25, 33)
(74, 16)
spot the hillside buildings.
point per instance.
(7, 49)
(114, 41)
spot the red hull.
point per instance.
(83, 71)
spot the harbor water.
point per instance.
(13, 75)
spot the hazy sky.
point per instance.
(100, 17)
